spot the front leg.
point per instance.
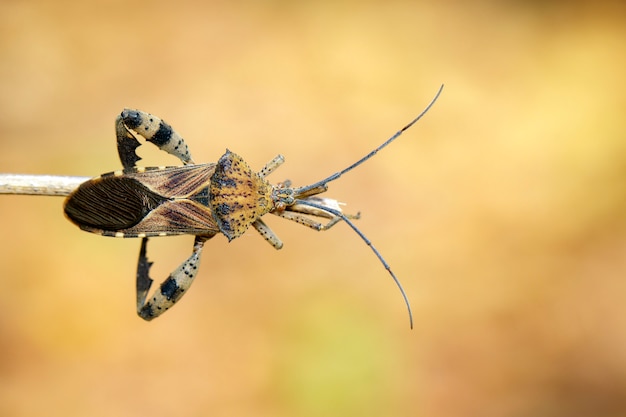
(135, 122)
(172, 289)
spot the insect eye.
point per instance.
(284, 196)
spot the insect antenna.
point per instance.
(368, 243)
(322, 184)
(300, 195)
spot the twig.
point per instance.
(58, 185)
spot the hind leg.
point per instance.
(135, 122)
(172, 289)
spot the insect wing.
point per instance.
(175, 182)
(146, 202)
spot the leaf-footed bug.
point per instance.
(197, 199)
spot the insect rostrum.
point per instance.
(197, 199)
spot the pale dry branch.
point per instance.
(53, 185)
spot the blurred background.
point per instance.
(502, 211)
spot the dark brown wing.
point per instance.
(111, 203)
(150, 202)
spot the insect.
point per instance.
(198, 199)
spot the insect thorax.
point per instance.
(238, 195)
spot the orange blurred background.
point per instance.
(502, 211)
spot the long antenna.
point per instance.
(368, 243)
(336, 175)
(321, 186)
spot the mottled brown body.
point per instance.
(197, 199)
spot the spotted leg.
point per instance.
(172, 289)
(128, 125)
(135, 122)
(267, 234)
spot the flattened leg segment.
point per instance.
(144, 282)
(152, 129)
(172, 289)
(126, 144)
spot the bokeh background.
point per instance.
(502, 211)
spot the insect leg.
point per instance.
(172, 289)
(126, 145)
(267, 233)
(298, 213)
(271, 166)
(327, 203)
(306, 221)
(135, 122)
